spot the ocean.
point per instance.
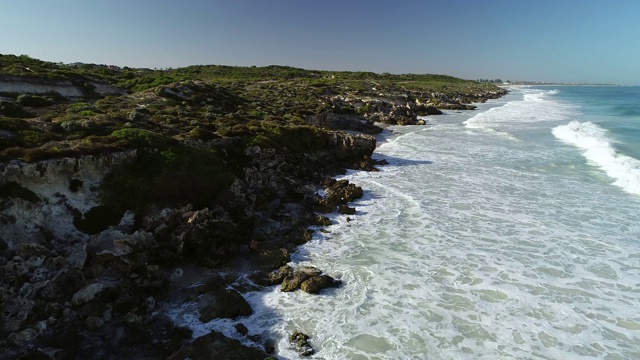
(507, 232)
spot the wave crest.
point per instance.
(625, 170)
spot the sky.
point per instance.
(575, 41)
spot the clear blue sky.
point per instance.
(596, 41)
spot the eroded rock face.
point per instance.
(338, 192)
(351, 122)
(22, 85)
(53, 204)
(104, 294)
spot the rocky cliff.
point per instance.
(66, 88)
(60, 282)
(42, 200)
(116, 207)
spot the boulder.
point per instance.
(90, 292)
(300, 341)
(223, 304)
(207, 238)
(321, 220)
(274, 277)
(294, 279)
(216, 346)
(347, 210)
(339, 192)
(315, 284)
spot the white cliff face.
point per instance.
(24, 86)
(65, 88)
(63, 186)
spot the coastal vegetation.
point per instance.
(196, 102)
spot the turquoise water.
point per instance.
(508, 232)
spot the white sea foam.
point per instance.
(536, 106)
(599, 150)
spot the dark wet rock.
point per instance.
(94, 322)
(352, 122)
(90, 292)
(211, 282)
(113, 243)
(223, 304)
(321, 220)
(338, 192)
(27, 250)
(300, 342)
(347, 210)
(270, 348)
(62, 286)
(207, 239)
(216, 346)
(241, 329)
(274, 277)
(269, 254)
(23, 337)
(34, 355)
(315, 284)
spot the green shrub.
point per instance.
(14, 110)
(201, 134)
(87, 113)
(297, 139)
(83, 109)
(13, 124)
(140, 138)
(33, 101)
(36, 137)
(365, 109)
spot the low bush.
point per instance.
(140, 138)
(14, 110)
(33, 101)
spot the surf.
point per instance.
(599, 150)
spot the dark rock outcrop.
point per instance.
(223, 304)
(309, 279)
(300, 341)
(351, 122)
(217, 346)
